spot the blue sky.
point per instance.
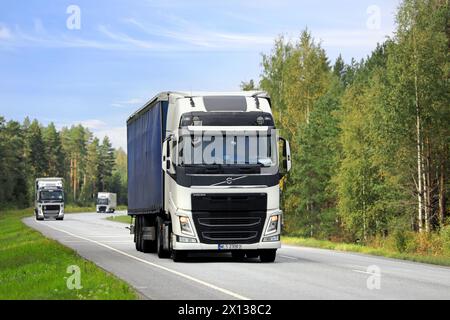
(126, 51)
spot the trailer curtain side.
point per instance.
(146, 133)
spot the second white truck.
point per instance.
(106, 202)
(49, 201)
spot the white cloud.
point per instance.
(117, 136)
(93, 124)
(5, 33)
(352, 37)
(126, 39)
(128, 103)
(186, 32)
(39, 26)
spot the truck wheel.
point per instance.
(37, 216)
(138, 233)
(179, 256)
(268, 256)
(60, 219)
(160, 239)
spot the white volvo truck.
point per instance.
(49, 200)
(203, 175)
(106, 202)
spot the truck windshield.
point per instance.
(258, 148)
(102, 201)
(51, 195)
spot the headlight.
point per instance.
(185, 226)
(273, 224)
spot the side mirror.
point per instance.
(286, 152)
(167, 157)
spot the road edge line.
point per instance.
(180, 274)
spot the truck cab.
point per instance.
(221, 161)
(49, 200)
(106, 202)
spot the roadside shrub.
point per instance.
(429, 243)
(445, 237)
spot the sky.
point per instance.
(96, 62)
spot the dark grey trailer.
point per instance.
(146, 131)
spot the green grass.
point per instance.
(33, 267)
(122, 219)
(75, 209)
(323, 244)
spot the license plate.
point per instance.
(230, 247)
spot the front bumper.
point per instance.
(199, 246)
(55, 214)
(215, 247)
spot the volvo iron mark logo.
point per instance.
(229, 181)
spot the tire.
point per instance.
(179, 256)
(138, 233)
(37, 216)
(238, 255)
(163, 254)
(268, 256)
(147, 246)
(60, 219)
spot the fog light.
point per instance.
(271, 239)
(186, 240)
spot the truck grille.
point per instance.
(229, 218)
(51, 209)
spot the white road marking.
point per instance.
(365, 272)
(287, 257)
(206, 284)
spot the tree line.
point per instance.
(30, 150)
(370, 138)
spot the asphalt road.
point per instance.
(298, 273)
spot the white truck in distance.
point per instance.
(49, 200)
(106, 202)
(204, 173)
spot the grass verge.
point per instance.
(323, 244)
(33, 267)
(74, 209)
(122, 219)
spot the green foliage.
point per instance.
(354, 129)
(248, 86)
(445, 234)
(30, 151)
(34, 267)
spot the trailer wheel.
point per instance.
(160, 239)
(147, 246)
